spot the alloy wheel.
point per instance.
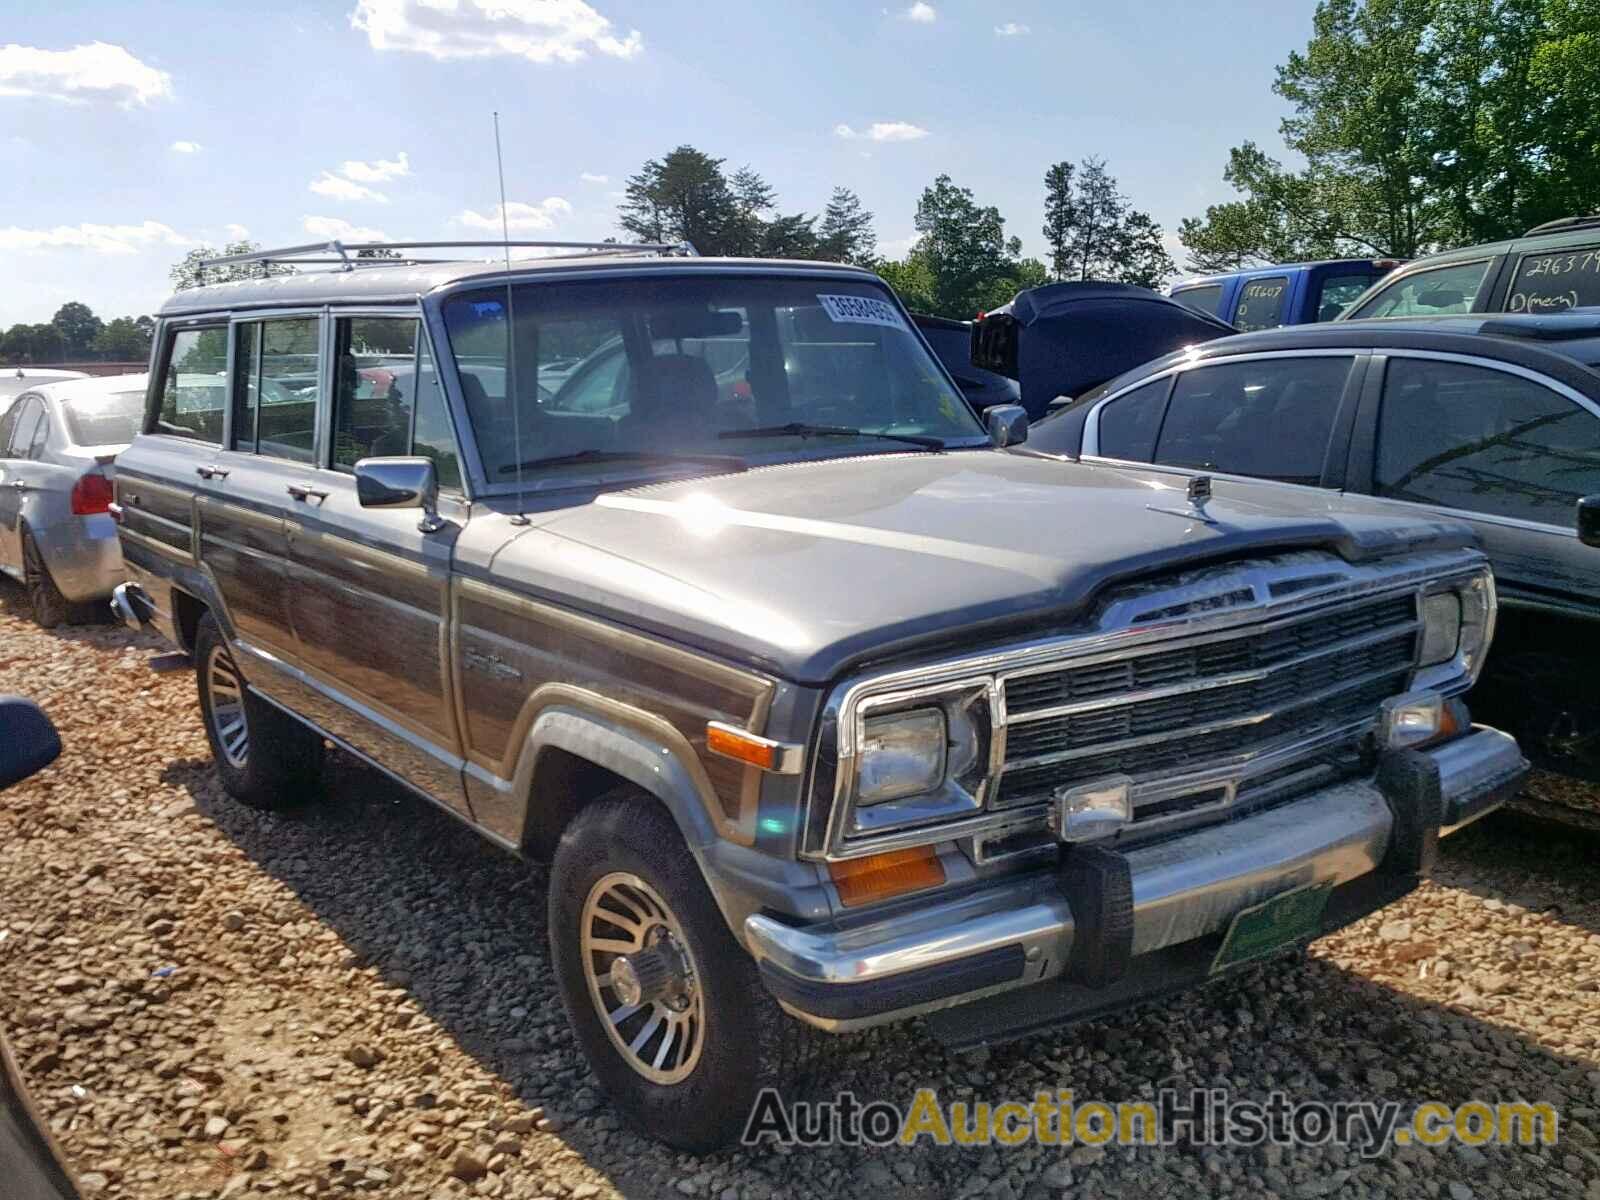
(228, 719)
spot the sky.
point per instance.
(130, 133)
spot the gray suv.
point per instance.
(827, 708)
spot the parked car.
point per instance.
(1290, 294)
(1551, 268)
(951, 342)
(1061, 340)
(20, 379)
(1494, 420)
(827, 720)
(58, 442)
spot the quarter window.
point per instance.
(193, 385)
(1438, 292)
(1129, 424)
(1338, 293)
(1483, 440)
(1261, 303)
(1267, 417)
(1556, 282)
(41, 434)
(25, 416)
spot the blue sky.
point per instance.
(129, 132)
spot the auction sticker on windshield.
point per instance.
(861, 310)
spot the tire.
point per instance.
(623, 853)
(50, 607)
(267, 759)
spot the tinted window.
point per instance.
(193, 385)
(1484, 440)
(106, 420)
(1442, 290)
(289, 378)
(375, 389)
(1338, 291)
(434, 437)
(1556, 282)
(18, 428)
(8, 422)
(1261, 303)
(41, 434)
(1269, 417)
(1129, 424)
(1201, 299)
(246, 384)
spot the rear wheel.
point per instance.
(265, 757)
(50, 607)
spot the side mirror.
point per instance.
(1589, 520)
(28, 740)
(1008, 424)
(400, 483)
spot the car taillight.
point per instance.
(91, 494)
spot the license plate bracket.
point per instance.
(1262, 930)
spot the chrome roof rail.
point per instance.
(347, 256)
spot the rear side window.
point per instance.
(23, 417)
(1483, 440)
(1438, 292)
(1556, 282)
(277, 382)
(1201, 299)
(1338, 292)
(41, 434)
(193, 384)
(1261, 303)
(1129, 424)
(1269, 417)
(375, 388)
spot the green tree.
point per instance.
(124, 339)
(911, 278)
(1143, 255)
(1094, 233)
(965, 249)
(78, 327)
(187, 273)
(1060, 217)
(846, 234)
(25, 343)
(685, 197)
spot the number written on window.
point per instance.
(1556, 282)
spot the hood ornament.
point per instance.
(1198, 495)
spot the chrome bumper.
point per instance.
(131, 606)
(1022, 932)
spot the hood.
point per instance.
(807, 569)
(1065, 338)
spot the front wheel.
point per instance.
(266, 758)
(667, 1005)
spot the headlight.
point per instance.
(902, 754)
(1441, 627)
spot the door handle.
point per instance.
(304, 491)
(211, 472)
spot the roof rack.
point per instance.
(1564, 224)
(347, 256)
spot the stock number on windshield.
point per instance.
(1548, 283)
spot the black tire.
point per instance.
(50, 607)
(748, 1042)
(266, 758)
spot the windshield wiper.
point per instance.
(726, 461)
(801, 429)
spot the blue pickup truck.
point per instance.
(1293, 294)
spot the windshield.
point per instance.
(107, 420)
(726, 369)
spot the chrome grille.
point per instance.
(1167, 710)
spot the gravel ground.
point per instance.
(358, 1000)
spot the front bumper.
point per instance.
(1373, 838)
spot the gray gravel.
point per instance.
(358, 1000)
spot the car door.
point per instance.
(16, 436)
(1512, 452)
(370, 589)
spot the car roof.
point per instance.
(1579, 235)
(407, 281)
(92, 386)
(1276, 268)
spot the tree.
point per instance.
(1144, 257)
(77, 326)
(32, 344)
(793, 236)
(187, 272)
(123, 339)
(846, 234)
(964, 247)
(1060, 217)
(1094, 233)
(685, 197)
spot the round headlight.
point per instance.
(902, 754)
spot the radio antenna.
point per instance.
(513, 387)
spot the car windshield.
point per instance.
(106, 420)
(646, 373)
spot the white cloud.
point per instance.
(924, 13)
(540, 31)
(94, 71)
(883, 131)
(236, 233)
(519, 216)
(1012, 29)
(102, 239)
(591, 177)
(898, 247)
(186, 147)
(336, 229)
(332, 186)
(378, 171)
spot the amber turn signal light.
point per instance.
(742, 745)
(880, 876)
